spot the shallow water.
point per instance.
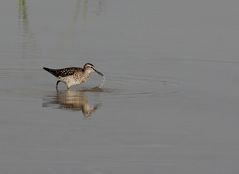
(170, 99)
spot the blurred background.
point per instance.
(170, 99)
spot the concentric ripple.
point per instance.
(139, 85)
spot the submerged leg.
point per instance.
(58, 81)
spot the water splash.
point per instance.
(102, 82)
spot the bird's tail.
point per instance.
(52, 71)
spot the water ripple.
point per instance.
(140, 85)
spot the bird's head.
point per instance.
(88, 67)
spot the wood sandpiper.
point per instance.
(73, 75)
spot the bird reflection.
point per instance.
(71, 100)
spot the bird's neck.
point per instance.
(88, 71)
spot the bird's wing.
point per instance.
(63, 72)
(67, 71)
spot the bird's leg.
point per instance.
(58, 81)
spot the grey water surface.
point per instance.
(170, 102)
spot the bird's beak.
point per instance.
(98, 72)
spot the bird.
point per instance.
(73, 75)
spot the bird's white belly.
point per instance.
(70, 80)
